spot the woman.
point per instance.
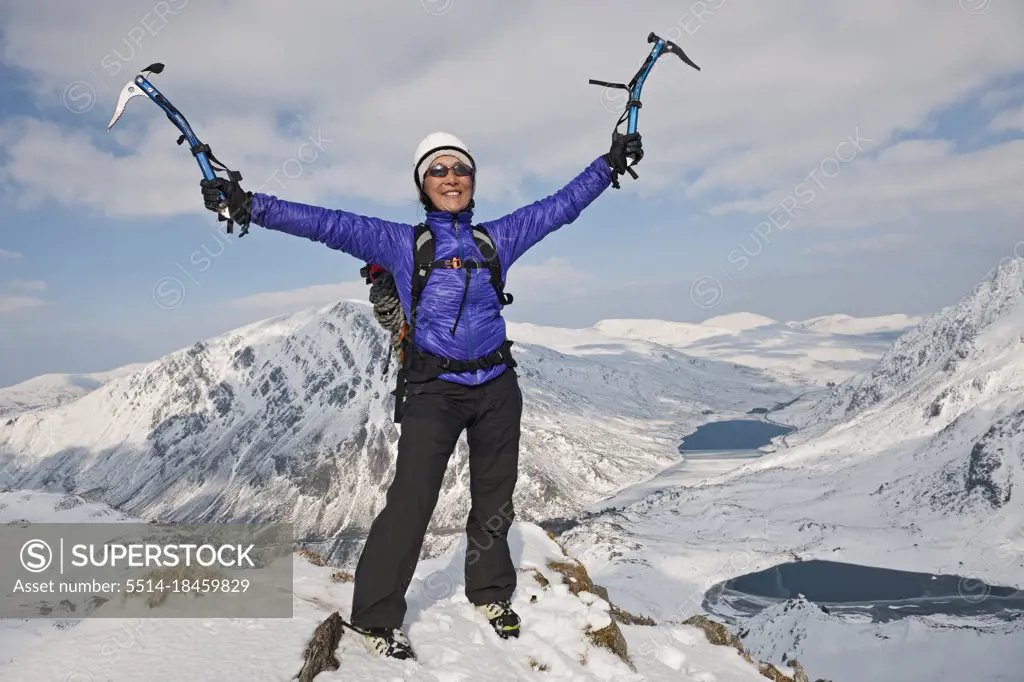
(458, 320)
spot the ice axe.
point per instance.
(208, 163)
(661, 46)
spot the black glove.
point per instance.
(623, 146)
(239, 201)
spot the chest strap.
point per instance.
(467, 265)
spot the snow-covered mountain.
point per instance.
(665, 332)
(49, 390)
(806, 358)
(569, 632)
(978, 338)
(291, 419)
(678, 334)
(914, 465)
(739, 321)
(847, 324)
(952, 389)
(19, 506)
(909, 649)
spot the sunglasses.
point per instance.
(441, 171)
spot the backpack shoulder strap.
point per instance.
(423, 262)
(490, 253)
(423, 259)
(485, 243)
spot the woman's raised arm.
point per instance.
(369, 239)
(372, 240)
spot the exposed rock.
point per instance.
(319, 653)
(610, 637)
(311, 556)
(575, 576)
(716, 633)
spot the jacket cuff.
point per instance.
(258, 207)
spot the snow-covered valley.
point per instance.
(908, 463)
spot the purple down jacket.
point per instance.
(481, 329)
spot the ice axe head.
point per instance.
(673, 48)
(131, 90)
(634, 87)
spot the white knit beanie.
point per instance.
(434, 146)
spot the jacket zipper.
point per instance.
(469, 329)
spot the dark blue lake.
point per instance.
(881, 593)
(733, 434)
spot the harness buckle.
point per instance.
(456, 263)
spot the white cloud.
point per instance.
(1010, 119)
(912, 179)
(9, 255)
(48, 163)
(555, 279)
(291, 300)
(780, 87)
(28, 285)
(13, 304)
(995, 99)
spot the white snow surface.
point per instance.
(915, 464)
(49, 390)
(739, 321)
(912, 462)
(847, 324)
(805, 358)
(451, 640)
(907, 650)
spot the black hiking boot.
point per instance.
(502, 618)
(389, 643)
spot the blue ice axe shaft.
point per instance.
(179, 120)
(140, 85)
(635, 86)
(638, 83)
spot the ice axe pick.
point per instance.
(208, 163)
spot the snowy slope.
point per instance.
(846, 324)
(291, 419)
(451, 640)
(48, 390)
(915, 464)
(935, 431)
(931, 648)
(671, 334)
(42, 507)
(976, 341)
(803, 358)
(739, 321)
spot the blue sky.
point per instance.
(893, 137)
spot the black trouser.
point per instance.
(434, 415)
